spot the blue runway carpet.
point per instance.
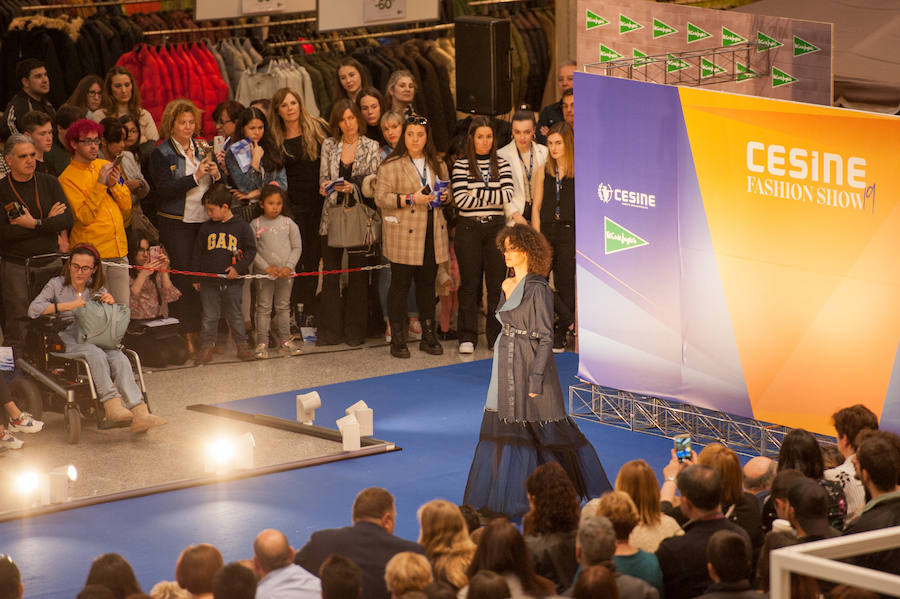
(434, 415)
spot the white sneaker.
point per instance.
(291, 348)
(8, 441)
(25, 423)
(261, 352)
(466, 347)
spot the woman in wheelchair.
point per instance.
(82, 280)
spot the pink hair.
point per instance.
(78, 130)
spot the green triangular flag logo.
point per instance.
(618, 238)
(730, 38)
(802, 47)
(708, 68)
(626, 24)
(764, 43)
(640, 59)
(695, 34)
(780, 78)
(673, 63)
(594, 20)
(607, 54)
(660, 29)
(744, 72)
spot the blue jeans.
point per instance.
(212, 298)
(110, 369)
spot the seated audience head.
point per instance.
(808, 508)
(781, 484)
(234, 581)
(802, 587)
(554, 501)
(444, 536)
(32, 74)
(271, 551)
(196, 567)
(596, 582)
(83, 270)
(83, 140)
(11, 586)
(96, 591)
(39, 127)
(371, 107)
(878, 462)
(726, 463)
(595, 542)
(848, 422)
(65, 116)
(406, 572)
(831, 456)
(618, 507)
(488, 585)
(392, 127)
(351, 79)
(502, 549)
(701, 490)
(638, 480)
(180, 121)
(341, 578)
(568, 107)
(375, 505)
(800, 451)
(88, 93)
(759, 472)
(225, 116)
(112, 571)
(728, 557)
(168, 589)
(845, 591)
(470, 515)
(20, 156)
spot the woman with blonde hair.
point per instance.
(638, 480)
(407, 572)
(621, 511)
(400, 92)
(445, 537)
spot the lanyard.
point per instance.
(530, 168)
(558, 187)
(423, 176)
(37, 196)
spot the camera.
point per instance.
(14, 210)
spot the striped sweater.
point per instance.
(476, 198)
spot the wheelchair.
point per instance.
(53, 383)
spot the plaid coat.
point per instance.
(403, 228)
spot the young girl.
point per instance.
(278, 250)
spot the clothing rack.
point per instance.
(362, 36)
(229, 27)
(84, 4)
(485, 2)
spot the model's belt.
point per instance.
(510, 331)
(485, 220)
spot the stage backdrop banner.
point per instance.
(738, 253)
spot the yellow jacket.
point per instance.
(100, 212)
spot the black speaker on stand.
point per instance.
(483, 65)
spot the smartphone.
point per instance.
(155, 252)
(118, 159)
(218, 143)
(427, 190)
(682, 447)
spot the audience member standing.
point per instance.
(637, 479)
(58, 158)
(265, 164)
(38, 127)
(101, 203)
(400, 92)
(88, 95)
(351, 79)
(371, 106)
(121, 96)
(808, 511)
(553, 113)
(370, 542)
(279, 577)
(848, 423)
(728, 560)
(525, 158)
(568, 107)
(482, 187)
(32, 74)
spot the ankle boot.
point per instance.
(115, 410)
(398, 340)
(429, 343)
(193, 344)
(144, 420)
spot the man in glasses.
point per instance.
(34, 212)
(101, 204)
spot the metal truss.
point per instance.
(668, 418)
(693, 68)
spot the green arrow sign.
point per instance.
(626, 24)
(708, 68)
(744, 72)
(764, 43)
(607, 54)
(618, 238)
(780, 78)
(638, 55)
(730, 38)
(660, 29)
(695, 34)
(802, 47)
(673, 63)
(594, 20)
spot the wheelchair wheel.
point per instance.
(73, 426)
(28, 396)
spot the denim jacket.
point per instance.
(169, 181)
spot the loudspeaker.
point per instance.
(483, 65)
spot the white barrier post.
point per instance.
(365, 416)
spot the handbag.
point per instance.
(352, 226)
(247, 212)
(101, 324)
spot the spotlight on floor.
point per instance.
(28, 483)
(44, 488)
(225, 454)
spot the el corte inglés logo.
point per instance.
(618, 239)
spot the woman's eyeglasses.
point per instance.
(415, 119)
(81, 268)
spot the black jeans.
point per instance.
(178, 238)
(402, 276)
(477, 255)
(562, 239)
(304, 290)
(343, 320)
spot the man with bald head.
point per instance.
(279, 576)
(759, 473)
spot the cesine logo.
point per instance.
(626, 197)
